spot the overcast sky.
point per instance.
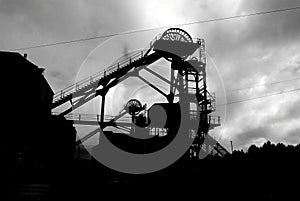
(246, 52)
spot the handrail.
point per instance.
(97, 76)
(90, 117)
(119, 64)
(212, 119)
(96, 117)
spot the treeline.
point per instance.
(269, 160)
(268, 152)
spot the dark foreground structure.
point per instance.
(33, 141)
(38, 146)
(31, 133)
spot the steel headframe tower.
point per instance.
(204, 100)
(187, 83)
(188, 78)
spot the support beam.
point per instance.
(85, 95)
(158, 75)
(88, 136)
(78, 103)
(123, 128)
(154, 87)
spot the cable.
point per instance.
(260, 97)
(157, 28)
(64, 42)
(267, 84)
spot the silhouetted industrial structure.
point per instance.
(36, 136)
(38, 144)
(188, 100)
(44, 137)
(30, 131)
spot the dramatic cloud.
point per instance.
(245, 52)
(33, 22)
(261, 50)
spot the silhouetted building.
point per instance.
(29, 132)
(26, 91)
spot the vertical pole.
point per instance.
(231, 146)
(172, 81)
(101, 114)
(197, 84)
(102, 109)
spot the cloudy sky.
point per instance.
(241, 52)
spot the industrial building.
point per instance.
(31, 135)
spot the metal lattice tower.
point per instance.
(187, 85)
(188, 76)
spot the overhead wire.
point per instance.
(229, 91)
(180, 25)
(259, 97)
(157, 28)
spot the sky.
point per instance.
(241, 53)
